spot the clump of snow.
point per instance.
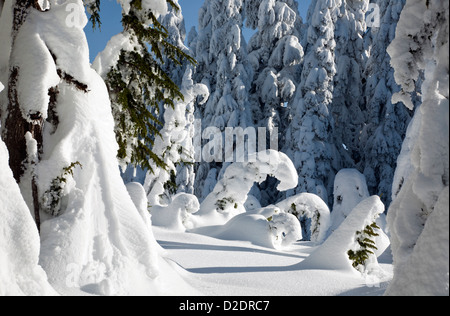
(32, 55)
(110, 55)
(333, 253)
(350, 189)
(278, 231)
(20, 273)
(158, 7)
(177, 215)
(310, 208)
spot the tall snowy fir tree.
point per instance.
(137, 81)
(386, 123)
(311, 144)
(175, 145)
(221, 53)
(275, 54)
(419, 215)
(348, 104)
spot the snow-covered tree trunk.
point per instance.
(29, 97)
(418, 217)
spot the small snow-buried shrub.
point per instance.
(285, 229)
(360, 256)
(51, 200)
(223, 203)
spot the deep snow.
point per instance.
(239, 268)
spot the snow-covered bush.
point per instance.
(350, 189)
(312, 212)
(333, 254)
(177, 215)
(278, 231)
(231, 192)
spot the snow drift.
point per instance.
(333, 253)
(20, 273)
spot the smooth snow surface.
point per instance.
(218, 267)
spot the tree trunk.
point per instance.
(16, 125)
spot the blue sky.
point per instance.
(110, 15)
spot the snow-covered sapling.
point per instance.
(361, 254)
(51, 199)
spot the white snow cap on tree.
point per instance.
(158, 7)
(418, 220)
(350, 189)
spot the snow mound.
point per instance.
(177, 215)
(278, 231)
(333, 253)
(309, 209)
(426, 271)
(350, 188)
(20, 273)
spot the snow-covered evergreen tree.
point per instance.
(131, 65)
(347, 105)
(59, 130)
(310, 142)
(275, 53)
(221, 53)
(419, 216)
(386, 123)
(175, 145)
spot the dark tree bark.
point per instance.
(16, 125)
